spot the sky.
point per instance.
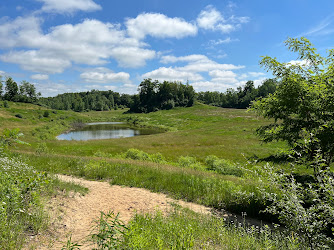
(79, 45)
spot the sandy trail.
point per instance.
(79, 213)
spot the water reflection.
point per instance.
(105, 130)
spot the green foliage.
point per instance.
(307, 210)
(46, 114)
(181, 228)
(20, 207)
(5, 104)
(19, 116)
(240, 98)
(190, 162)
(86, 101)
(302, 106)
(136, 154)
(11, 90)
(110, 231)
(167, 95)
(222, 166)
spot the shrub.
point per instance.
(190, 162)
(136, 154)
(19, 116)
(5, 104)
(46, 114)
(222, 166)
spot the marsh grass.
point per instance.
(23, 192)
(184, 229)
(208, 188)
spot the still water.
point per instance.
(105, 130)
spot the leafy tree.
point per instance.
(11, 90)
(302, 107)
(28, 92)
(1, 87)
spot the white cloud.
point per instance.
(222, 41)
(159, 25)
(132, 57)
(190, 58)
(172, 74)
(301, 63)
(53, 89)
(68, 6)
(224, 76)
(198, 63)
(104, 75)
(211, 19)
(256, 74)
(36, 61)
(90, 42)
(22, 31)
(39, 77)
(211, 86)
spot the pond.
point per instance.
(105, 130)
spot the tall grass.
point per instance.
(21, 209)
(185, 229)
(211, 189)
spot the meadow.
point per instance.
(206, 155)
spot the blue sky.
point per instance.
(79, 45)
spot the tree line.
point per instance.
(152, 96)
(240, 98)
(11, 91)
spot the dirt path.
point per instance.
(78, 213)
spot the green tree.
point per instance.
(302, 107)
(28, 92)
(1, 87)
(12, 90)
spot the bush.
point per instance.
(5, 104)
(20, 207)
(190, 162)
(46, 114)
(19, 116)
(136, 154)
(222, 166)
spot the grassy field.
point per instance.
(203, 156)
(198, 131)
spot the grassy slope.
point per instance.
(197, 131)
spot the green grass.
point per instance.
(204, 187)
(23, 191)
(197, 131)
(184, 229)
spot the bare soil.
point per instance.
(75, 216)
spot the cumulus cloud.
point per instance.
(222, 41)
(211, 86)
(21, 31)
(68, 6)
(196, 64)
(172, 74)
(159, 25)
(36, 61)
(225, 76)
(53, 89)
(132, 57)
(39, 77)
(211, 19)
(104, 75)
(90, 42)
(301, 63)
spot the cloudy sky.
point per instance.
(78, 45)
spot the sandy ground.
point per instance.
(74, 216)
